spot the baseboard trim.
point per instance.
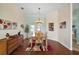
(65, 46)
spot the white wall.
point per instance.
(52, 18)
(64, 35)
(10, 12)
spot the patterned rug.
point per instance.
(49, 48)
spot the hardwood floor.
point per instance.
(75, 52)
(75, 47)
(57, 49)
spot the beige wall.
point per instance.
(10, 12)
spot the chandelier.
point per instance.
(39, 20)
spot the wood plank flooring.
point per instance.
(58, 49)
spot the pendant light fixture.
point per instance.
(38, 21)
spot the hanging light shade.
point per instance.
(39, 19)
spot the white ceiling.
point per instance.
(32, 8)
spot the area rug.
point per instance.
(49, 47)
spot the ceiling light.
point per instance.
(39, 19)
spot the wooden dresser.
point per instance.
(7, 46)
(3, 47)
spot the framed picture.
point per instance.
(1, 21)
(63, 24)
(22, 26)
(51, 26)
(1, 24)
(7, 25)
(14, 25)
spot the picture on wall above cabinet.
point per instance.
(1, 24)
(14, 25)
(1, 21)
(22, 26)
(7, 24)
(51, 26)
(63, 24)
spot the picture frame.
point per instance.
(63, 24)
(14, 25)
(51, 26)
(7, 25)
(22, 26)
(1, 24)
